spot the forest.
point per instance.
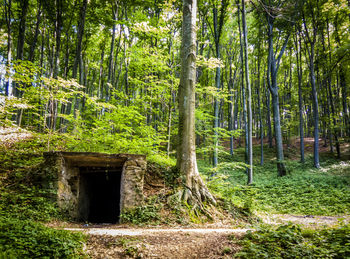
(242, 109)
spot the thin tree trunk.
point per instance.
(8, 6)
(311, 40)
(217, 85)
(58, 37)
(268, 116)
(245, 119)
(249, 103)
(301, 110)
(81, 25)
(36, 34)
(330, 92)
(315, 106)
(100, 77)
(273, 66)
(231, 114)
(259, 111)
(111, 54)
(22, 28)
(20, 46)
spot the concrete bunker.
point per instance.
(96, 187)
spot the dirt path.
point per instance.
(307, 220)
(157, 231)
(161, 243)
(180, 243)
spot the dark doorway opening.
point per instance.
(99, 197)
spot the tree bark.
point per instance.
(80, 34)
(310, 40)
(195, 189)
(22, 28)
(249, 103)
(111, 54)
(218, 25)
(58, 38)
(245, 119)
(268, 117)
(301, 107)
(36, 34)
(273, 66)
(232, 116)
(8, 18)
(20, 42)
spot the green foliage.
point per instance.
(28, 203)
(27, 239)
(304, 191)
(141, 215)
(27, 187)
(121, 129)
(290, 241)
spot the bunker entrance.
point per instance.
(99, 199)
(97, 187)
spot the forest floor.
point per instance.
(112, 241)
(312, 199)
(200, 241)
(197, 243)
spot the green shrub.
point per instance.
(290, 241)
(28, 203)
(141, 215)
(27, 239)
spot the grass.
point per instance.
(305, 190)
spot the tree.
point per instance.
(310, 41)
(273, 63)
(195, 189)
(217, 31)
(297, 43)
(249, 103)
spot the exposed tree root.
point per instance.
(196, 194)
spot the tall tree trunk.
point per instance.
(78, 59)
(315, 106)
(100, 77)
(36, 34)
(231, 114)
(259, 111)
(58, 26)
(273, 66)
(195, 189)
(310, 40)
(22, 28)
(218, 25)
(20, 43)
(8, 18)
(81, 25)
(249, 103)
(268, 116)
(330, 92)
(245, 119)
(111, 54)
(301, 110)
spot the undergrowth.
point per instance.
(304, 190)
(141, 215)
(28, 239)
(26, 188)
(290, 241)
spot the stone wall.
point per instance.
(67, 164)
